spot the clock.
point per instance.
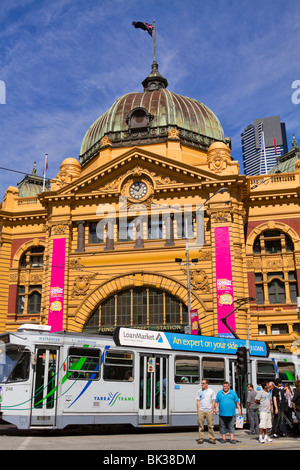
(138, 190)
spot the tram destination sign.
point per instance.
(181, 342)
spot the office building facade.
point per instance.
(262, 143)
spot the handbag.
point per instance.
(239, 422)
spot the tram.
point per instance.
(135, 377)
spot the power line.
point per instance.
(23, 173)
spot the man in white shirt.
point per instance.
(205, 409)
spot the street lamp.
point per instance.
(193, 260)
(240, 303)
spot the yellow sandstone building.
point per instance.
(152, 219)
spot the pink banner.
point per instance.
(225, 302)
(194, 322)
(56, 297)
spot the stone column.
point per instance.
(169, 218)
(80, 235)
(109, 245)
(139, 241)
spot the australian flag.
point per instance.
(145, 26)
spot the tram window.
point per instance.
(265, 371)
(286, 371)
(118, 365)
(16, 367)
(213, 369)
(84, 364)
(186, 370)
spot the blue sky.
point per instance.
(64, 63)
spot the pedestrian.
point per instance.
(227, 400)
(287, 410)
(296, 401)
(252, 410)
(277, 411)
(271, 387)
(263, 399)
(205, 409)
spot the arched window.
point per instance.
(272, 242)
(275, 275)
(139, 118)
(138, 307)
(29, 292)
(33, 258)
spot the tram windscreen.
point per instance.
(14, 363)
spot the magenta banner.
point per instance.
(194, 321)
(225, 302)
(56, 297)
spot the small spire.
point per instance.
(154, 81)
(34, 169)
(294, 142)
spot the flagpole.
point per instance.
(46, 155)
(154, 45)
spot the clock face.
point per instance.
(138, 190)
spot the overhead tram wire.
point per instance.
(28, 174)
(21, 172)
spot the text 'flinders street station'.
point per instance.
(152, 220)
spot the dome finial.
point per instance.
(154, 81)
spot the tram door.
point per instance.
(44, 396)
(154, 389)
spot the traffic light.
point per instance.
(241, 360)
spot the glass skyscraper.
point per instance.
(262, 142)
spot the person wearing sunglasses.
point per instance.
(205, 409)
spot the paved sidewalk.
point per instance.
(137, 442)
(245, 440)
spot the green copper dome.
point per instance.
(141, 118)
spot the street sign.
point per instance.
(151, 364)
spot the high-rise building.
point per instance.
(262, 143)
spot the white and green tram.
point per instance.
(135, 377)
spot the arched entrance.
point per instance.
(141, 307)
(140, 299)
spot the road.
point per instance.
(115, 441)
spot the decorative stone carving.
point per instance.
(238, 252)
(274, 264)
(199, 280)
(221, 216)
(106, 141)
(82, 284)
(218, 157)
(204, 255)
(173, 134)
(60, 229)
(36, 278)
(70, 169)
(253, 263)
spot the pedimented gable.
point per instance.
(157, 174)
